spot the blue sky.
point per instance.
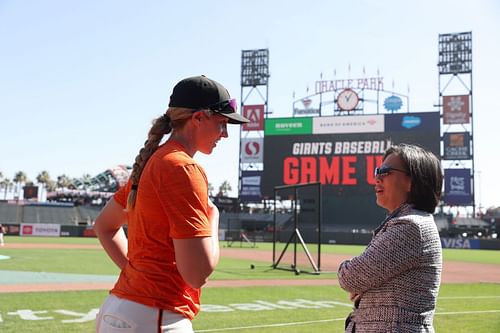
(80, 81)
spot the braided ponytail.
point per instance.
(175, 117)
(161, 126)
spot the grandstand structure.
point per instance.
(107, 181)
(51, 213)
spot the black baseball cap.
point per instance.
(200, 93)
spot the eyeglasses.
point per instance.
(386, 170)
(229, 106)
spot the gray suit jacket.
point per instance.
(397, 276)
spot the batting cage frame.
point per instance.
(296, 236)
(242, 237)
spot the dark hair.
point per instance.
(424, 169)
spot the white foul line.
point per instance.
(270, 325)
(466, 297)
(326, 321)
(466, 312)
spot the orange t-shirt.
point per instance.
(171, 203)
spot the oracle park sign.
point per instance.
(341, 153)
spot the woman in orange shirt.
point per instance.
(172, 246)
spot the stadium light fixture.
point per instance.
(455, 53)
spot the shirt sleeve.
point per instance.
(392, 252)
(121, 195)
(185, 201)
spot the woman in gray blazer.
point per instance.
(394, 283)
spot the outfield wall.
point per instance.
(309, 236)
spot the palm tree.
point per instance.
(20, 178)
(63, 181)
(224, 189)
(5, 183)
(51, 186)
(44, 179)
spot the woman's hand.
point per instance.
(353, 297)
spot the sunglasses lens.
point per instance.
(228, 106)
(382, 171)
(233, 104)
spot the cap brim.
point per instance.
(234, 118)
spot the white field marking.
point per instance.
(466, 312)
(466, 297)
(270, 325)
(325, 321)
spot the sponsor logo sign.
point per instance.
(457, 187)
(456, 109)
(288, 126)
(459, 243)
(252, 150)
(348, 124)
(250, 186)
(393, 103)
(40, 229)
(418, 121)
(254, 113)
(307, 110)
(457, 146)
(411, 121)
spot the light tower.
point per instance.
(254, 106)
(456, 108)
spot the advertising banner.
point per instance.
(288, 126)
(456, 109)
(252, 150)
(40, 229)
(412, 122)
(254, 113)
(348, 124)
(308, 109)
(250, 186)
(457, 146)
(460, 243)
(457, 187)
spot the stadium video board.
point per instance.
(341, 153)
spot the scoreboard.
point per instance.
(341, 153)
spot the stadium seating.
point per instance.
(47, 213)
(8, 213)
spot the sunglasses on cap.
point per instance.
(386, 170)
(228, 106)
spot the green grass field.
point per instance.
(461, 308)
